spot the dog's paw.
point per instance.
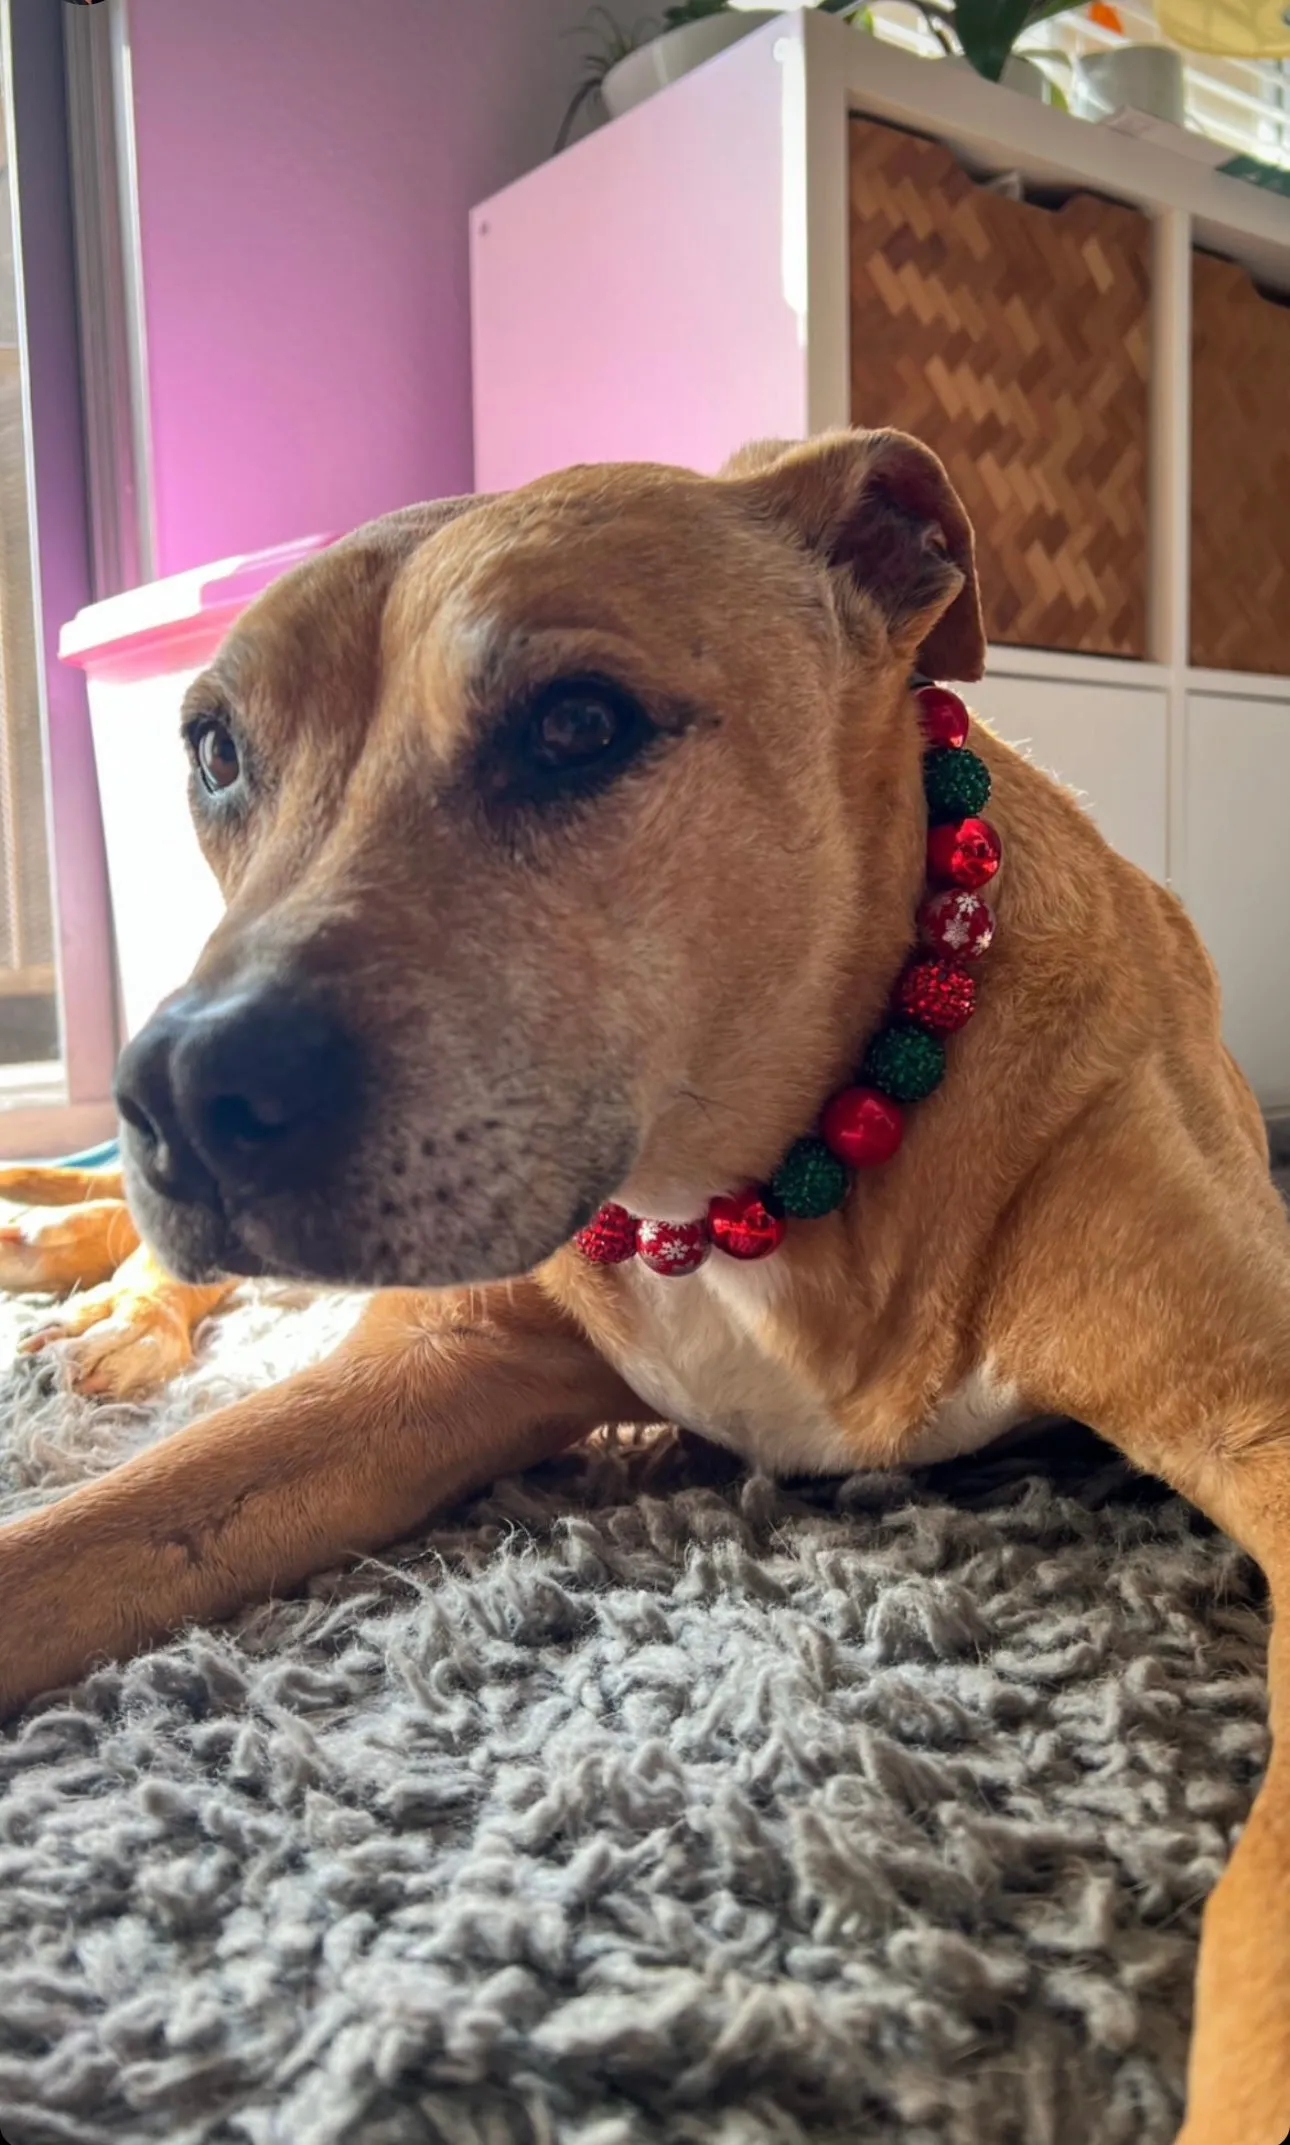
(114, 1342)
(129, 1335)
(50, 1184)
(74, 1247)
(46, 1184)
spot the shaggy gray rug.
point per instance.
(641, 1800)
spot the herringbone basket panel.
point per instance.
(1014, 340)
(1240, 499)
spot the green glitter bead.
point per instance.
(809, 1181)
(904, 1064)
(956, 784)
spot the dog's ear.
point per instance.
(879, 506)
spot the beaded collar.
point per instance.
(935, 995)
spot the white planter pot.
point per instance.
(1137, 78)
(1019, 74)
(665, 59)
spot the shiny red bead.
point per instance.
(936, 995)
(965, 854)
(609, 1237)
(942, 716)
(956, 923)
(742, 1225)
(862, 1127)
(673, 1247)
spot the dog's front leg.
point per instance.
(1238, 2076)
(1239, 2068)
(1156, 1308)
(1238, 2071)
(431, 1396)
(1236, 1466)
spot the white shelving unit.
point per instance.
(678, 283)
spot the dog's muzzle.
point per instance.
(237, 1097)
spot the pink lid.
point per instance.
(167, 621)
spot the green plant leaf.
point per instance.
(607, 42)
(693, 11)
(1044, 10)
(581, 97)
(988, 30)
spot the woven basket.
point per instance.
(1014, 340)
(1240, 500)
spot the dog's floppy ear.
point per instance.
(879, 506)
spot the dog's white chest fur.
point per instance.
(698, 1355)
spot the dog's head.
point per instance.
(569, 839)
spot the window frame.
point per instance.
(36, 122)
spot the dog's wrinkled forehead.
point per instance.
(657, 581)
(310, 647)
(444, 611)
(675, 584)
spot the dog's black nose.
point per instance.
(247, 1092)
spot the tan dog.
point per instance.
(572, 843)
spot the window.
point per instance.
(57, 986)
(1243, 103)
(28, 996)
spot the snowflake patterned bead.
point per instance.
(672, 1248)
(957, 923)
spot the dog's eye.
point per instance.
(570, 741)
(576, 725)
(215, 753)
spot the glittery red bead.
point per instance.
(862, 1127)
(964, 854)
(956, 923)
(942, 716)
(673, 1247)
(937, 995)
(609, 1237)
(742, 1225)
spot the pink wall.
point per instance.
(305, 172)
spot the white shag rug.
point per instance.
(641, 1800)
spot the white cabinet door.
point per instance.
(1235, 873)
(1108, 742)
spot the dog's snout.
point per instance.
(146, 1102)
(235, 1094)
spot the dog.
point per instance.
(573, 843)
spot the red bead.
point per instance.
(956, 923)
(937, 995)
(673, 1247)
(862, 1127)
(609, 1237)
(742, 1225)
(965, 853)
(942, 716)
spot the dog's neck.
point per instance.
(862, 1125)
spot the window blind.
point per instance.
(1244, 104)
